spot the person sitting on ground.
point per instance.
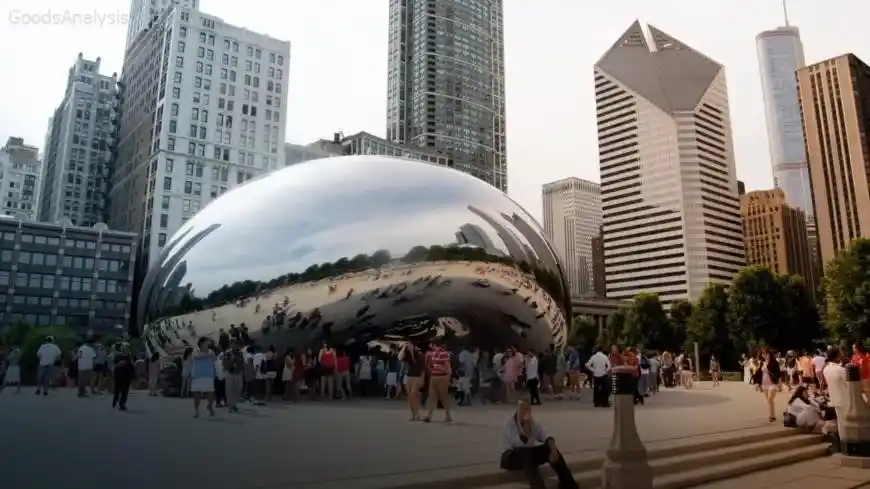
(806, 412)
(527, 446)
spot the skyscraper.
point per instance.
(203, 110)
(143, 12)
(668, 187)
(20, 171)
(775, 234)
(835, 106)
(572, 217)
(445, 83)
(80, 147)
(780, 54)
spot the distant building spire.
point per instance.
(785, 12)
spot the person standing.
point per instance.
(234, 368)
(416, 364)
(326, 360)
(715, 370)
(468, 366)
(202, 376)
(13, 369)
(48, 354)
(123, 376)
(599, 365)
(770, 383)
(154, 374)
(439, 369)
(533, 379)
(85, 357)
(220, 382)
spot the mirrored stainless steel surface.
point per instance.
(356, 250)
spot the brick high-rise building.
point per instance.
(775, 234)
(835, 108)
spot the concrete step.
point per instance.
(711, 464)
(666, 456)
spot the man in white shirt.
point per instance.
(259, 377)
(85, 357)
(48, 354)
(834, 376)
(599, 366)
(533, 379)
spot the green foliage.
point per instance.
(847, 293)
(610, 335)
(756, 307)
(28, 339)
(708, 326)
(646, 323)
(583, 334)
(680, 313)
(801, 321)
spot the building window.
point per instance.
(167, 183)
(164, 220)
(179, 61)
(161, 239)
(164, 202)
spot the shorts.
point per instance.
(99, 368)
(392, 378)
(271, 375)
(326, 371)
(202, 385)
(808, 380)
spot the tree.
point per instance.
(29, 338)
(847, 292)
(757, 309)
(679, 313)
(708, 326)
(583, 334)
(802, 315)
(611, 334)
(645, 321)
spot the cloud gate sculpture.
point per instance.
(358, 250)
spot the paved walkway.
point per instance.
(823, 473)
(158, 444)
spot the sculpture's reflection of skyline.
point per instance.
(443, 247)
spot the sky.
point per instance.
(339, 66)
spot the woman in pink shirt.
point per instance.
(513, 366)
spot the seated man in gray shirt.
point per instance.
(527, 446)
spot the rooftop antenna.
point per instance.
(785, 12)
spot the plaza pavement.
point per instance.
(62, 442)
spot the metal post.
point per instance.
(697, 362)
(626, 465)
(854, 427)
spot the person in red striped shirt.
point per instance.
(439, 370)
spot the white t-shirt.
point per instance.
(86, 356)
(260, 365)
(599, 364)
(48, 353)
(532, 367)
(365, 368)
(819, 363)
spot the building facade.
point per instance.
(599, 271)
(835, 106)
(671, 213)
(775, 235)
(363, 143)
(203, 110)
(143, 12)
(65, 275)
(20, 173)
(780, 54)
(446, 83)
(298, 153)
(80, 147)
(572, 218)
